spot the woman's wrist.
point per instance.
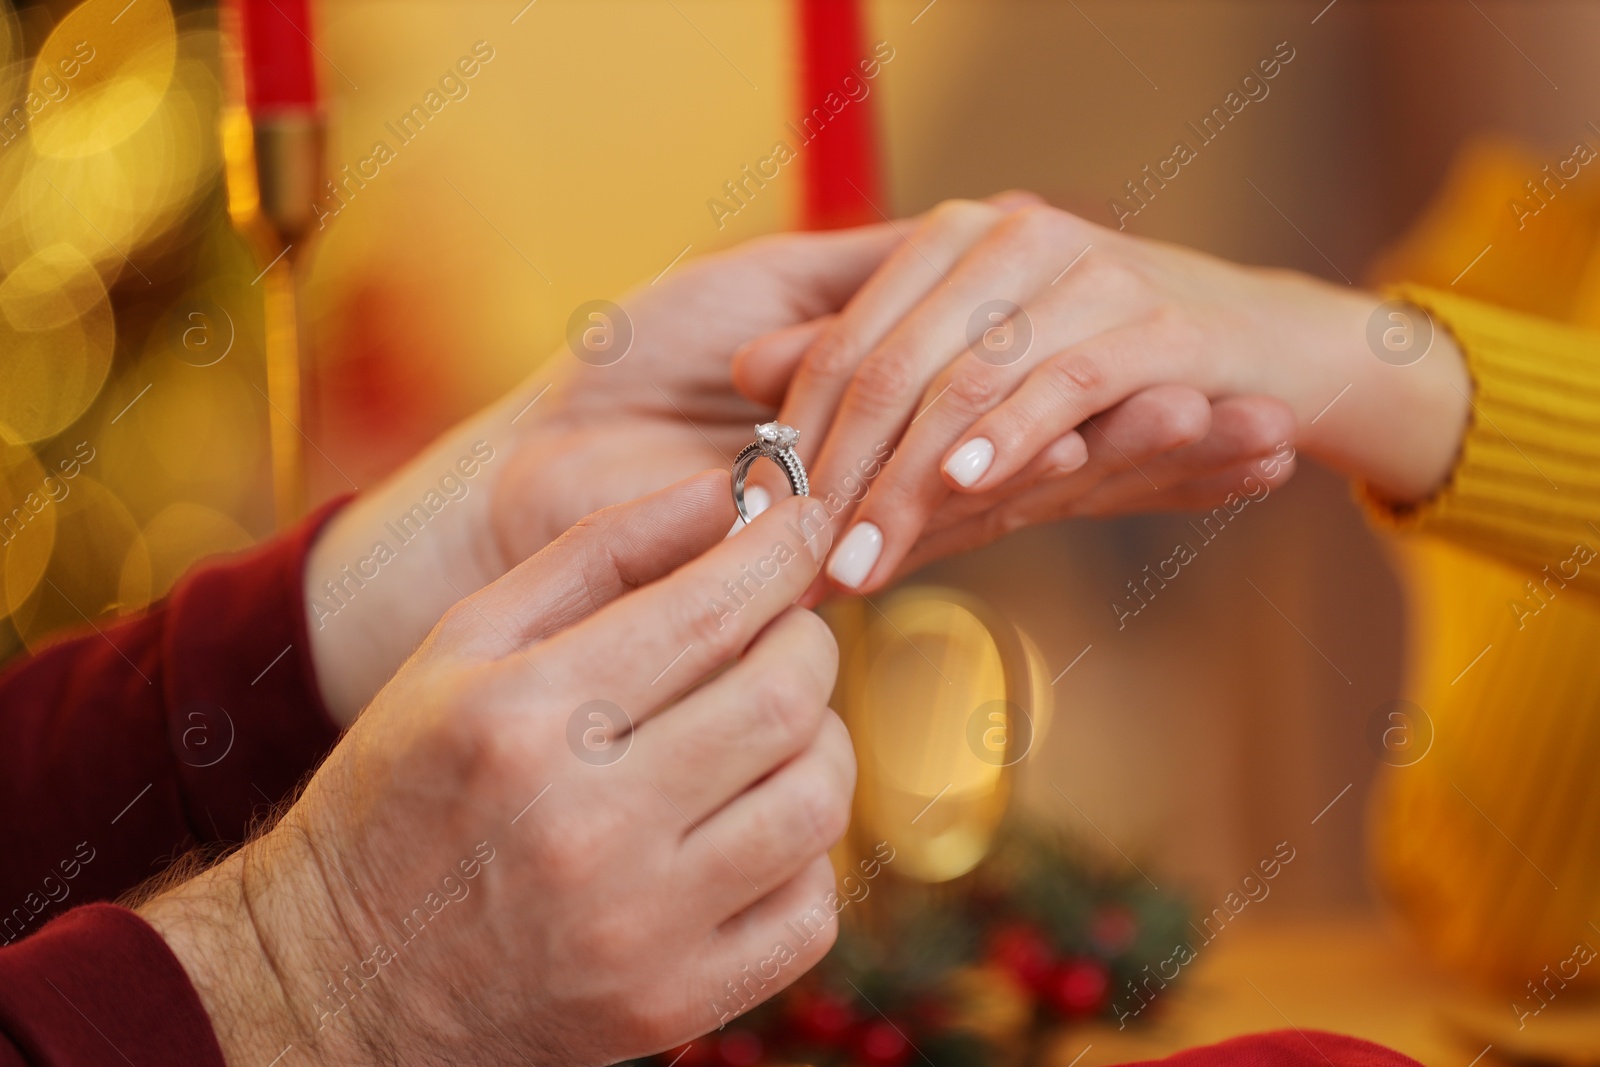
(1380, 390)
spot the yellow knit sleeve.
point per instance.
(1526, 486)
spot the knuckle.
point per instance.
(821, 809)
(898, 505)
(833, 355)
(1113, 278)
(1074, 376)
(817, 647)
(975, 388)
(459, 623)
(956, 215)
(699, 621)
(1001, 521)
(883, 381)
(1175, 328)
(1040, 224)
(783, 707)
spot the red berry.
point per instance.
(1113, 929)
(1023, 951)
(883, 1045)
(738, 1048)
(1078, 987)
(824, 1017)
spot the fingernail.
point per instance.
(853, 560)
(756, 500)
(968, 463)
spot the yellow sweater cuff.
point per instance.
(1526, 486)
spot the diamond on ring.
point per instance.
(774, 441)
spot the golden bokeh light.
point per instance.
(51, 288)
(932, 684)
(101, 74)
(27, 520)
(13, 68)
(52, 374)
(109, 201)
(98, 559)
(178, 537)
(200, 427)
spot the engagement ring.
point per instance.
(776, 442)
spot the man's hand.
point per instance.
(602, 790)
(604, 432)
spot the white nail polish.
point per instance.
(969, 462)
(854, 557)
(756, 500)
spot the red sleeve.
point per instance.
(1287, 1048)
(122, 749)
(99, 986)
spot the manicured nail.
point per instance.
(969, 462)
(756, 500)
(853, 560)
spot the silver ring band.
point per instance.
(774, 441)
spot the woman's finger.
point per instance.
(962, 349)
(1054, 398)
(914, 269)
(1244, 430)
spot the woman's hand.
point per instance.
(1005, 352)
(571, 829)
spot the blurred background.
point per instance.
(1230, 716)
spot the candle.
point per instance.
(278, 64)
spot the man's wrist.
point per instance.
(207, 926)
(245, 931)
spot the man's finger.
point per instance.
(763, 368)
(646, 648)
(770, 832)
(605, 555)
(757, 715)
